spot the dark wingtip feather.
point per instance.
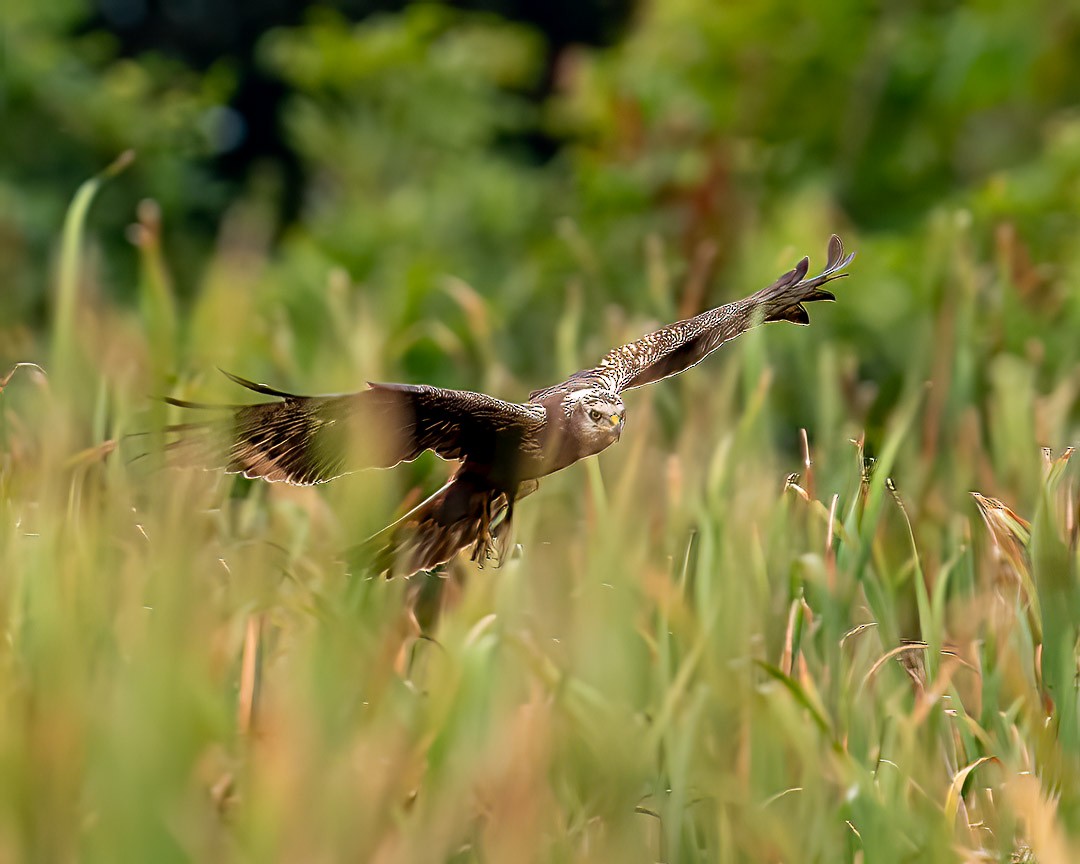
(836, 260)
(254, 386)
(836, 251)
(199, 406)
(783, 299)
(821, 294)
(796, 315)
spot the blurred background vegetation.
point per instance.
(692, 660)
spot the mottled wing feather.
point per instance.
(684, 344)
(458, 424)
(312, 439)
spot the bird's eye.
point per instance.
(595, 415)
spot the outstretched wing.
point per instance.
(683, 344)
(312, 439)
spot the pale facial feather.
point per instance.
(596, 418)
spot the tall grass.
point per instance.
(721, 641)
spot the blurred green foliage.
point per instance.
(692, 660)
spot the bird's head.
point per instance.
(596, 418)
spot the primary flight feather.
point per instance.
(503, 447)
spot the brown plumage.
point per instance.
(503, 447)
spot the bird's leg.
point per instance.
(504, 531)
(496, 518)
(483, 537)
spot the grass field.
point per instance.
(773, 624)
(724, 640)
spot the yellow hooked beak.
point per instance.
(615, 419)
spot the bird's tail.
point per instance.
(782, 301)
(465, 512)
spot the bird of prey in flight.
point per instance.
(502, 448)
